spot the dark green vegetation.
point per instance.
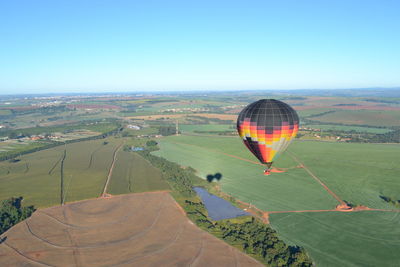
(358, 173)
(12, 212)
(251, 236)
(180, 180)
(167, 130)
(348, 128)
(393, 201)
(209, 129)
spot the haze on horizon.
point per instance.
(103, 46)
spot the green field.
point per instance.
(206, 127)
(362, 117)
(94, 127)
(5, 112)
(346, 128)
(368, 238)
(19, 147)
(37, 176)
(310, 112)
(357, 173)
(132, 173)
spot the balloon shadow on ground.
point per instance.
(212, 177)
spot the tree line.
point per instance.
(12, 212)
(391, 200)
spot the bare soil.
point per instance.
(143, 229)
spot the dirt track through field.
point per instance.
(111, 169)
(316, 178)
(142, 229)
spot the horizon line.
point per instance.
(160, 91)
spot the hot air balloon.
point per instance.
(267, 127)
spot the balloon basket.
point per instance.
(267, 172)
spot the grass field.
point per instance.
(362, 117)
(13, 145)
(357, 173)
(132, 173)
(178, 116)
(243, 179)
(206, 127)
(368, 238)
(5, 112)
(346, 128)
(309, 112)
(37, 176)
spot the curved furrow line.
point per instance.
(121, 219)
(103, 243)
(29, 259)
(193, 262)
(170, 244)
(26, 167)
(55, 165)
(237, 263)
(91, 156)
(75, 207)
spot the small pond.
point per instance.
(218, 208)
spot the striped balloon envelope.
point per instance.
(267, 127)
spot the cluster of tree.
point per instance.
(151, 143)
(55, 118)
(129, 108)
(345, 105)
(255, 238)
(161, 101)
(232, 132)
(292, 98)
(391, 200)
(167, 130)
(12, 212)
(359, 136)
(390, 137)
(40, 110)
(311, 122)
(320, 114)
(203, 120)
(180, 180)
(387, 101)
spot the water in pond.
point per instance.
(218, 208)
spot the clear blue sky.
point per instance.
(73, 46)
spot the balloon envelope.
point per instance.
(267, 127)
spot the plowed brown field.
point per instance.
(144, 229)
